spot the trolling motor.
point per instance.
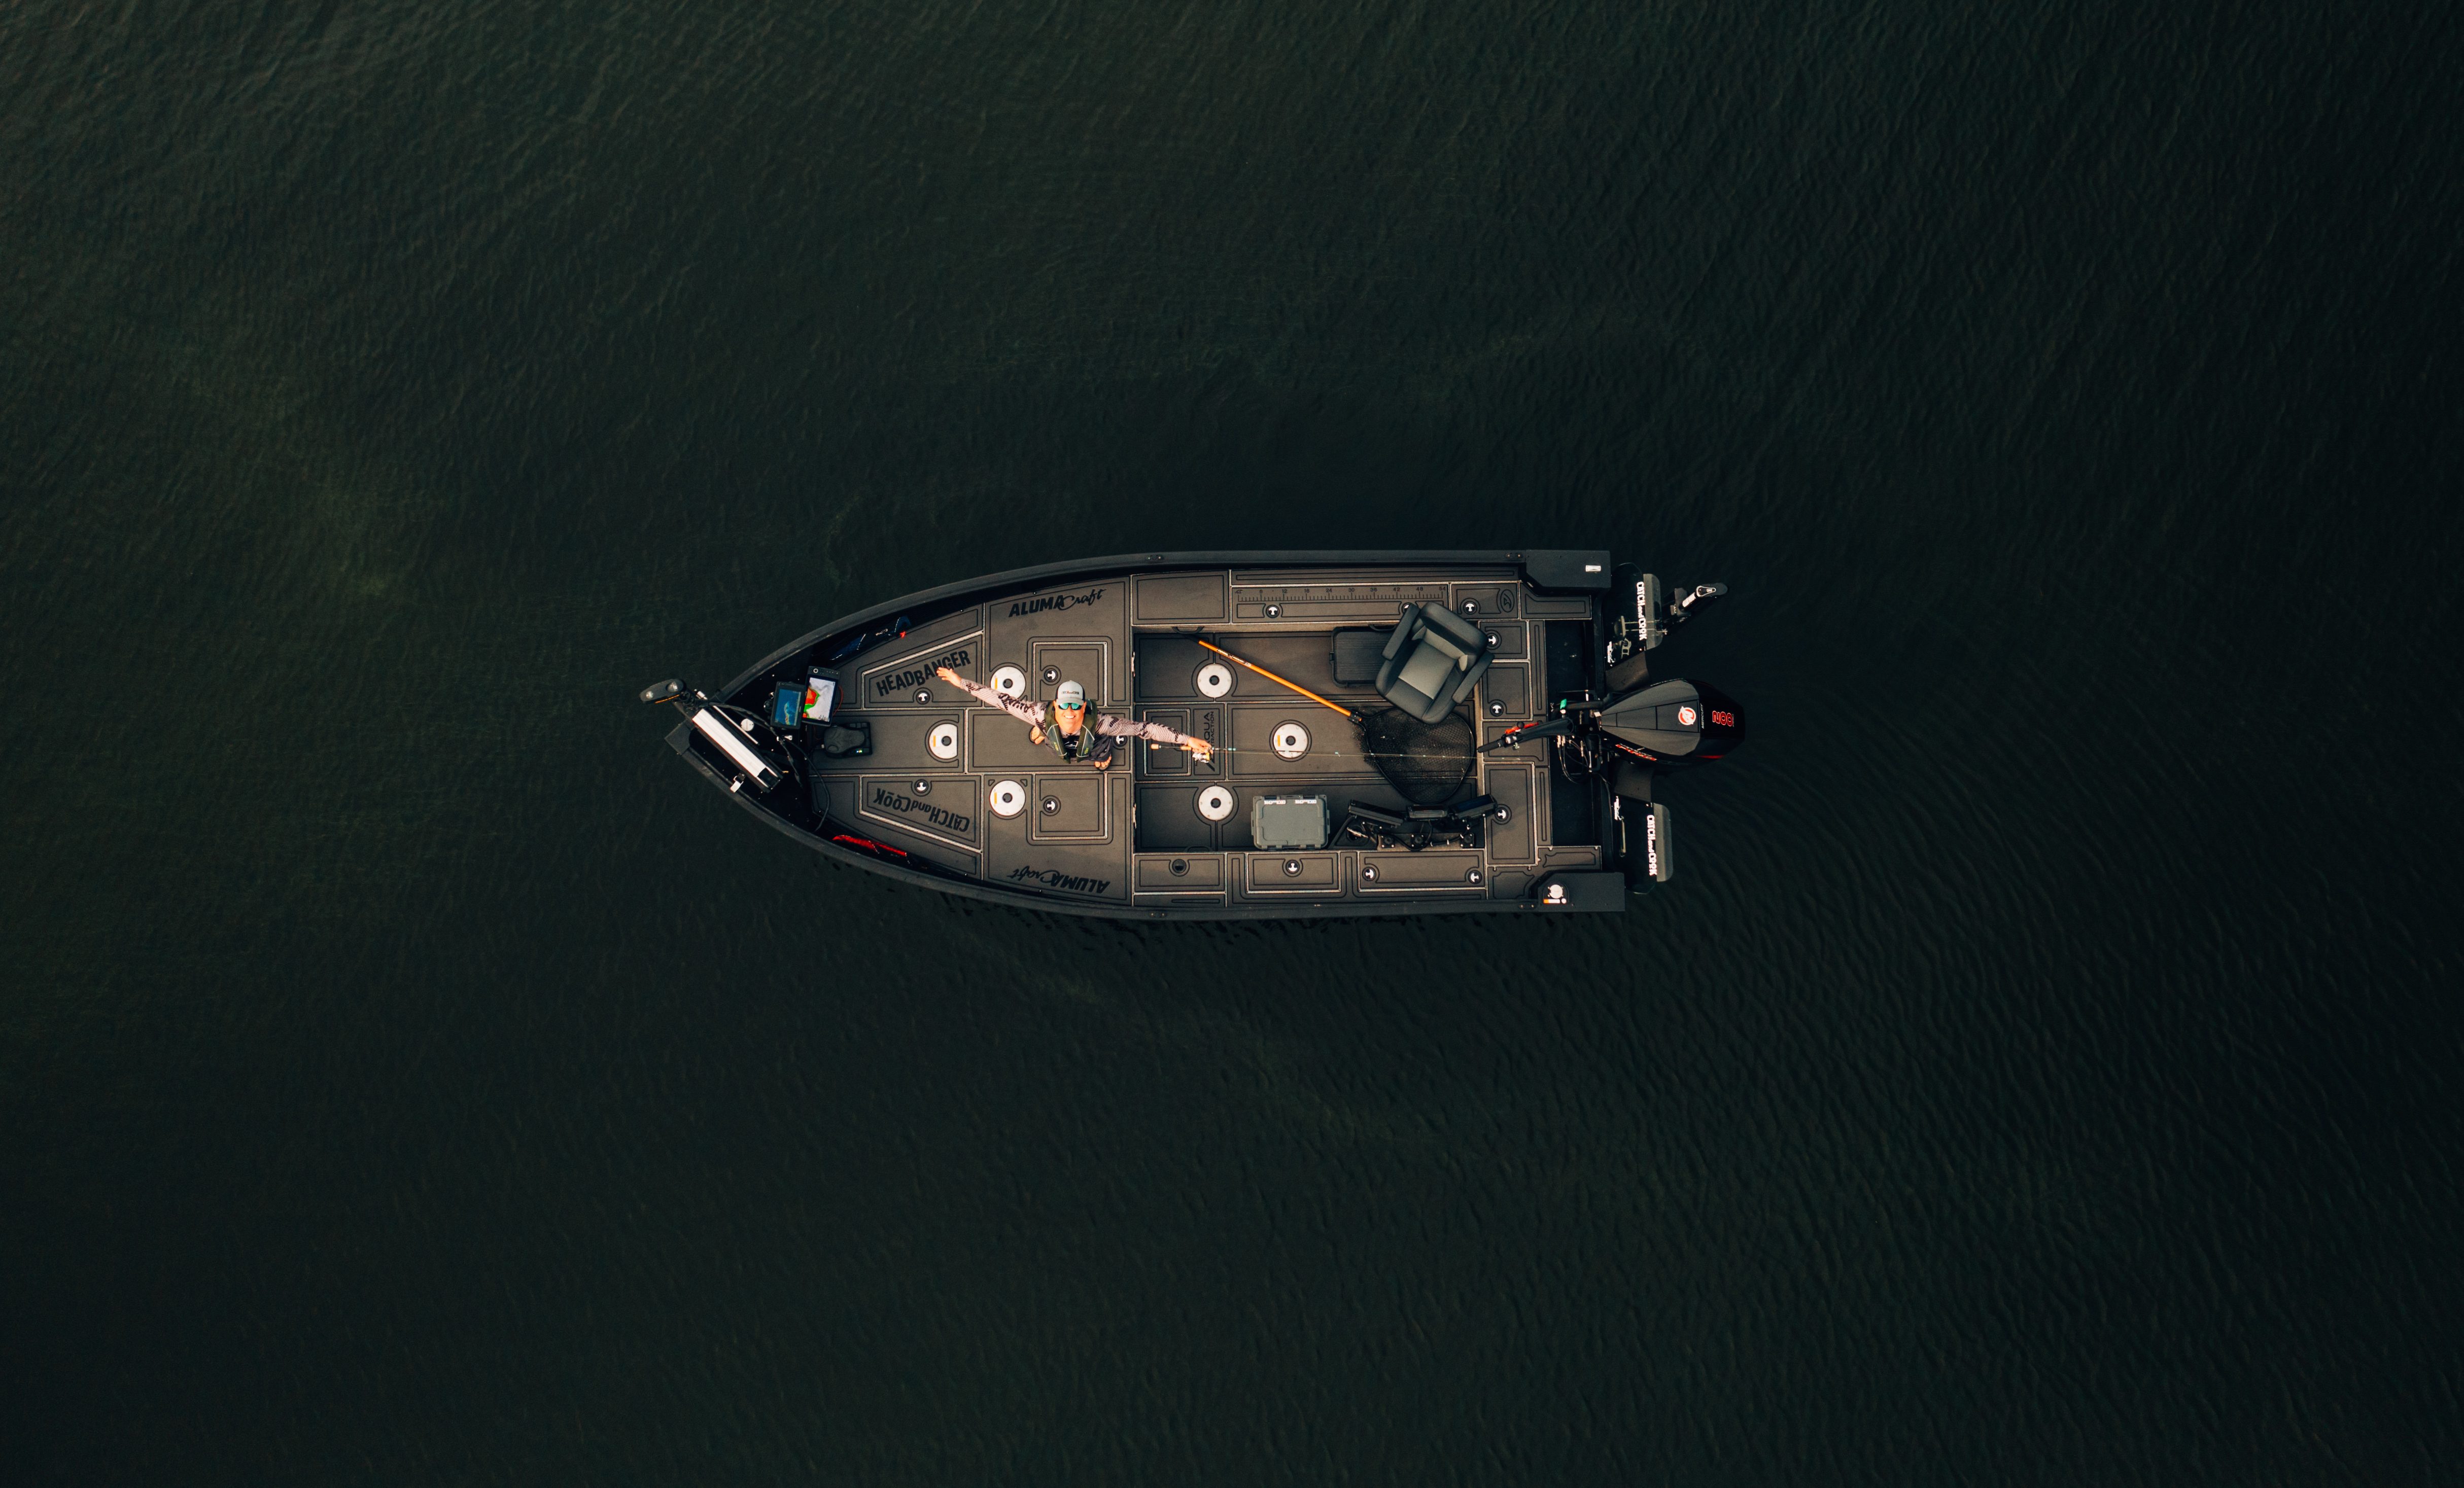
(736, 733)
(1647, 623)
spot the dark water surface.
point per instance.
(414, 1074)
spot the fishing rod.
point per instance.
(1357, 719)
(1333, 754)
(1361, 721)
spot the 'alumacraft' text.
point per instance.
(1054, 878)
(1053, 601)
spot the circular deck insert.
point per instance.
(945, 742)
(1214, 803)
(1214, 679)
(1010, 682)
(1292, 740)
(1009, 798)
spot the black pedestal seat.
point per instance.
(1432, 661)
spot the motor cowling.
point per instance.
(1674, 720)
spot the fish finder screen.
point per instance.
(820, 692)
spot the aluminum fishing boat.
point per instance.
(1390, 733)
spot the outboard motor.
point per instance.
(1674, 720)
(1624, 740)
(1668, 723)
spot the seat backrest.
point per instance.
(1446, 645)
(1452, 634)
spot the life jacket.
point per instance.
(1090, 745)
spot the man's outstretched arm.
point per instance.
(1131, 729)
(1029, 713)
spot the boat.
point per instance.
(1379, 734)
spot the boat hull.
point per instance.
(954, 796)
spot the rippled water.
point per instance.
(2038, 1073)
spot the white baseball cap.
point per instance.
(1071, 695)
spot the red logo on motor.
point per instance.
(1723, 718)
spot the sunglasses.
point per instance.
(1070, 708)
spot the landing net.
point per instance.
(1427, 763)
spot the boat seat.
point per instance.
(1432, 661)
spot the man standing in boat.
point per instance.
(1070, 732)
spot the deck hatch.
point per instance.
(1512, 840)
(1293, 874)
(1181, 597)
(1422, 872)
(944, 809)
(1069, 807)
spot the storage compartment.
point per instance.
(1169, 821)
(1191, 871)
(1510, 836)
(1280, 822)
(1357, 654)
(940, 806)
(1297, 873)
(1421, 872)
(1508, 688)
(1181, 597)
(1069, 808)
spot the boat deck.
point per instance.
(943, 768)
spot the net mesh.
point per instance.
(1426, 762)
